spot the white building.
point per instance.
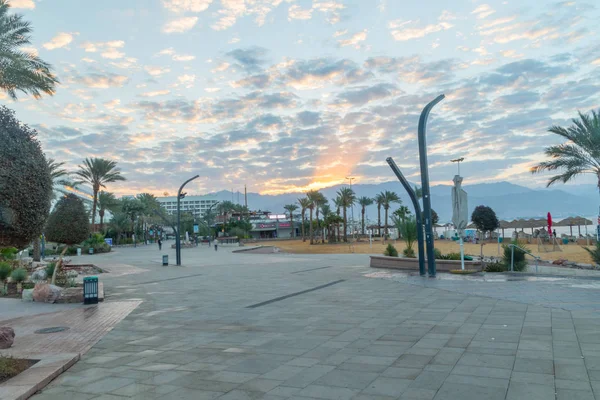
(197, 205)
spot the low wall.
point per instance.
(412, 264)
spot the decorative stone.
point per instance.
(46, 293)
(71, 295)
(7, 337)
(39, 276)
(27, 295)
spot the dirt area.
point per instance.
(571, 252)
(11, 367)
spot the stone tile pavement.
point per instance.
(194, 336)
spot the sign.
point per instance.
(277, 216)
(284, 225)
(265, 226)
(196, 230)
(108, 241)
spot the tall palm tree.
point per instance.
(379, 201)
(97, 172)
(579, 155)
(338, 204)
(402, 212)
(348, 198)
(224, 208)
(19, 70)
(106, 202)
(149, 204)
(304, 205)
(320, 200)
(325, 212)
(388, 199)
(313, 196)
(364, 203)
(291, 208)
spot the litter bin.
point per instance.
(500, 239)
(565, 241)
(91, 250)
(90, 290)
(165, 259)
(79, 251)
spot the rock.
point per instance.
(27, 295)
(560, 261)
(46, 293)
(39, 276)
(71, 295)
(7, 337)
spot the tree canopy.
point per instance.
(25, 183)
(69, 222)
(485, 219)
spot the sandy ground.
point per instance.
(571, 252)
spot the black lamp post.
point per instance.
(178, 236)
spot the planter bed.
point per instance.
(412, 264)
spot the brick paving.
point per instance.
(195, 337)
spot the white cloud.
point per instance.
(156, 71)
(180, 25)
(186, 5)
(60, 40)
(340, 33)
(113, 54)
(169, 51)
(354, 40)
(88, 60)
(112, 103)
(296, 12)
(186, 80)
(402, 32)
(183, 57)
(483, 11)
(126, 63)
(211, 89)
(234, 40)
(108, 49)
(30, 50)
(102, 81)
(155, 93)
(222, 67)
(29, 4)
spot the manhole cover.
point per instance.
(54, 329)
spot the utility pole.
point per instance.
(351, 178)
(245, 197)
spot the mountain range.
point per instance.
(508, 200)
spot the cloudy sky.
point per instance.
(287, 95)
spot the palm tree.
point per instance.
(320, 200)
(290, 208)
(119, 223)
(224, 208)
(579, 155)
(325, 212)
(364, 202)
(402, 212)
(106, 201)
(338, 204)
(347, 199)
(379, 201)
(149, 204)
(21, 71)
(304, 204)
(388, 199)
(97, 172)
(312, 196)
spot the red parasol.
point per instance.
(550, 224)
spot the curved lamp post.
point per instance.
(425, 183)
(178, 236)
(418, 214)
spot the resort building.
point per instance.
(196, 205)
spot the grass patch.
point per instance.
(11, 367)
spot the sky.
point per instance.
(291, 95)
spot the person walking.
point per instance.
(216, 245)
(159, 244)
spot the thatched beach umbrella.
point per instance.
(575, 221)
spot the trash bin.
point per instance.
(90, 290)
(565, 241)
(91, 250)
(500, 239)
(165, 259)
(79, 251)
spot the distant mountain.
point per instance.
(510, 201)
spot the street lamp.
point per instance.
(458, 161)
(178, 236)
(351, 178)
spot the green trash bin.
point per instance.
(565, 241)
(90, 290)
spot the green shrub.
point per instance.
(97, 239)
(19, 275)
(594, 253)
(450, 256)
(390, 251)
(520, 262)
(437, 254)
(8, 253)
(409, 252)
(5, 270)
(69, 222)
(496, 267)
(50, 269)
(28, 285)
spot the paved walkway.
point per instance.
(277, 326)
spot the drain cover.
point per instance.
(53, 329)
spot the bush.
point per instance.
(25, 183)
(50, 269)
(19, 275)
(409, 252)
(496, 267)
(390, 251)
(5, 270)
(520, 262)
(594, 253)
(68, 223)
(97, 239)
(8, 253)
(450, 256)
(98, 248)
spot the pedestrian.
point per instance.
(196, 237)
(159, 244)
(209, 241)
(554, 233)
(216, 245)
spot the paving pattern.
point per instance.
(197, 336)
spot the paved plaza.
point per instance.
(280, 326)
